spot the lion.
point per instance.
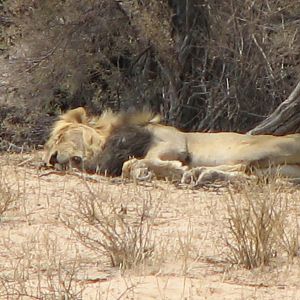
(79, 141)
(137, 145)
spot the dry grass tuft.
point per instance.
(121, 231)
(260, 226)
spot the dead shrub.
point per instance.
(209, 66)
(259, 225)
(41, 271)
(122, 232)
(58, 284)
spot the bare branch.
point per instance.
(285, 119)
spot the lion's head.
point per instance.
(77, 140)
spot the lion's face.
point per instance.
(72, 144)
(73, 147)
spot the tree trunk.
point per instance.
(285, 119)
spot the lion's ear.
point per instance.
(77, 115)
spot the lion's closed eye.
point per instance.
(76, 159)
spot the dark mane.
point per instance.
(123, 143)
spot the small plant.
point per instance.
(186, 246)
(257, 220)
(7, 196)
(123, 233)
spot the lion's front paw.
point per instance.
(142, 174)
(127, 167)
(137, 170)
(191, 176)
(203, 176)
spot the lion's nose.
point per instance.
(53, 159)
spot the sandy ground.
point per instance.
(42, 258)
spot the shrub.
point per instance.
(259, 226)
(123, 233)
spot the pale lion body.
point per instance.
(169, 153)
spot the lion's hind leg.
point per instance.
(146, 169)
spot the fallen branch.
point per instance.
(285, 119)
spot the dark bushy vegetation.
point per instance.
(203, 64)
